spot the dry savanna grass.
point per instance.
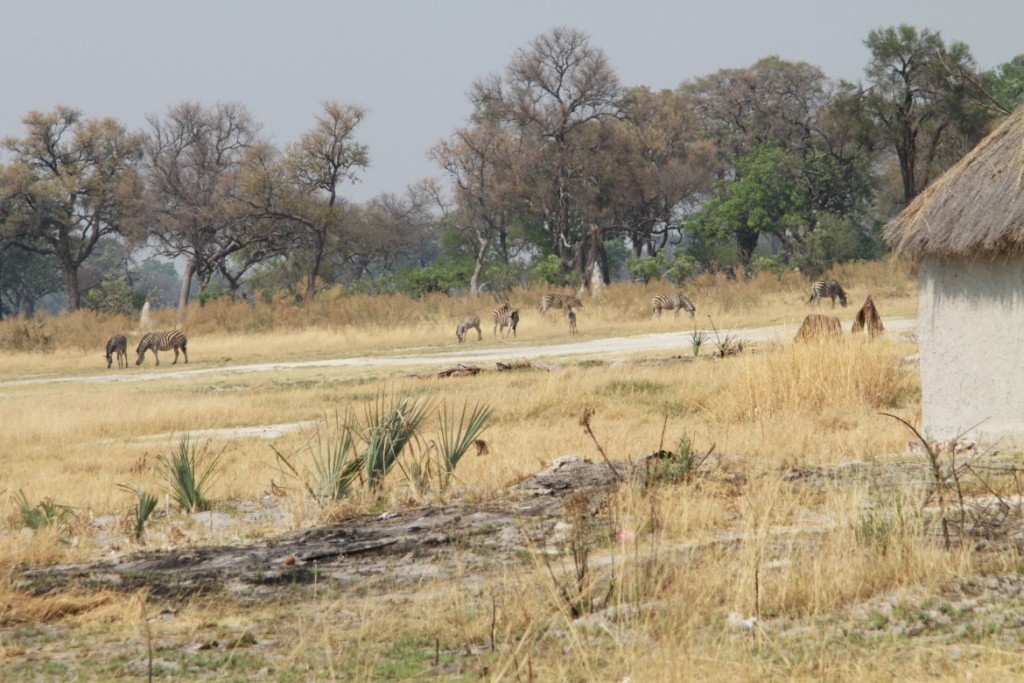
(764, 528)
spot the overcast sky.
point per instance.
(410, 63)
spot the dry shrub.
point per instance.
(792, 379)
(24, 608)
(818, 326)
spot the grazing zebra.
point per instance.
(162, 341)
(117, 344)
(466, 325)
(827, 288)
(505, 316)
(572, 320)
(558, 301)
(669, 302)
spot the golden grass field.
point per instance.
(829, 609)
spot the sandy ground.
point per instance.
(606, 348)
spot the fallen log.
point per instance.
(458, 371)
(526, 365)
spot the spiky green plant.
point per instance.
(457, 437)
(44, 514)
(335, 466)
(390, 426)
(188, 477)
(144, 507)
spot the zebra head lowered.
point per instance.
(162, 341)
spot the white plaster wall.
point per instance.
(971, 335)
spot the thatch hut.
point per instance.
(967, 231)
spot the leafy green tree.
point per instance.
(25, 278)
(647, 268)
(113, 295)
(70, 182)
(763, 199)
(921, 102)
(1005, 85)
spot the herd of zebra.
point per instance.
(504, 316)
(174, 340)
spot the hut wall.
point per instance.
(971, 336)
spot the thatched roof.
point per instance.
(976, 207)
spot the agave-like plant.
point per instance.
(44, 514)
(187, 477)
(335, 465)
(457, 437)
(390, 426)
(144, 507)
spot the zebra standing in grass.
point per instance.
(669, 302)
(827, 288)
(572, 319)
(559, 301)
(472, 322)
(117, 344)
(162, 341)
(505, 316)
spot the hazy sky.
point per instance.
(411, 62)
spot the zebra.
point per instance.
(668, 302)
(117, 344)
(572, 319)
(558, 301)
(827, 288)
(466, 325)
(505, 316)
(162, 341)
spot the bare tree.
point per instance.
(323, 159)
(550, 94)
(479, 161)
(194, 161)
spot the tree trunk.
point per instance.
(71, 281)
(186, 284)
(746, 241)
(478, 267)
(319, 239)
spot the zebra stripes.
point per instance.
(669, 302)
(827, 288)
(117, 344)
(472, 322)
(505, 316)
(162, 341)
(559, 301)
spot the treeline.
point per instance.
(562, 175)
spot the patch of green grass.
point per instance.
(633, 387)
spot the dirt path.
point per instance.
(605, 348)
